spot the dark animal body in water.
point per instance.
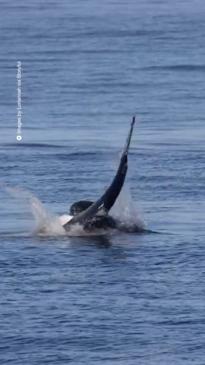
(97, 222)
(93, 216)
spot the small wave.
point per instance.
(182, 67)
(33, 145)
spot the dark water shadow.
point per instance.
(101, 241)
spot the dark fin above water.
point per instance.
(107, 200)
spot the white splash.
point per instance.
(49, 224)
(125, 211)
(45, 223)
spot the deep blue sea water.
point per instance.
(87, 67)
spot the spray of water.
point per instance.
(48, 224)
(126, 212)
(45, 223)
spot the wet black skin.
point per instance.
(94, 215)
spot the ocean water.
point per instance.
(87, 67)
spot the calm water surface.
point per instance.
(87, 67)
